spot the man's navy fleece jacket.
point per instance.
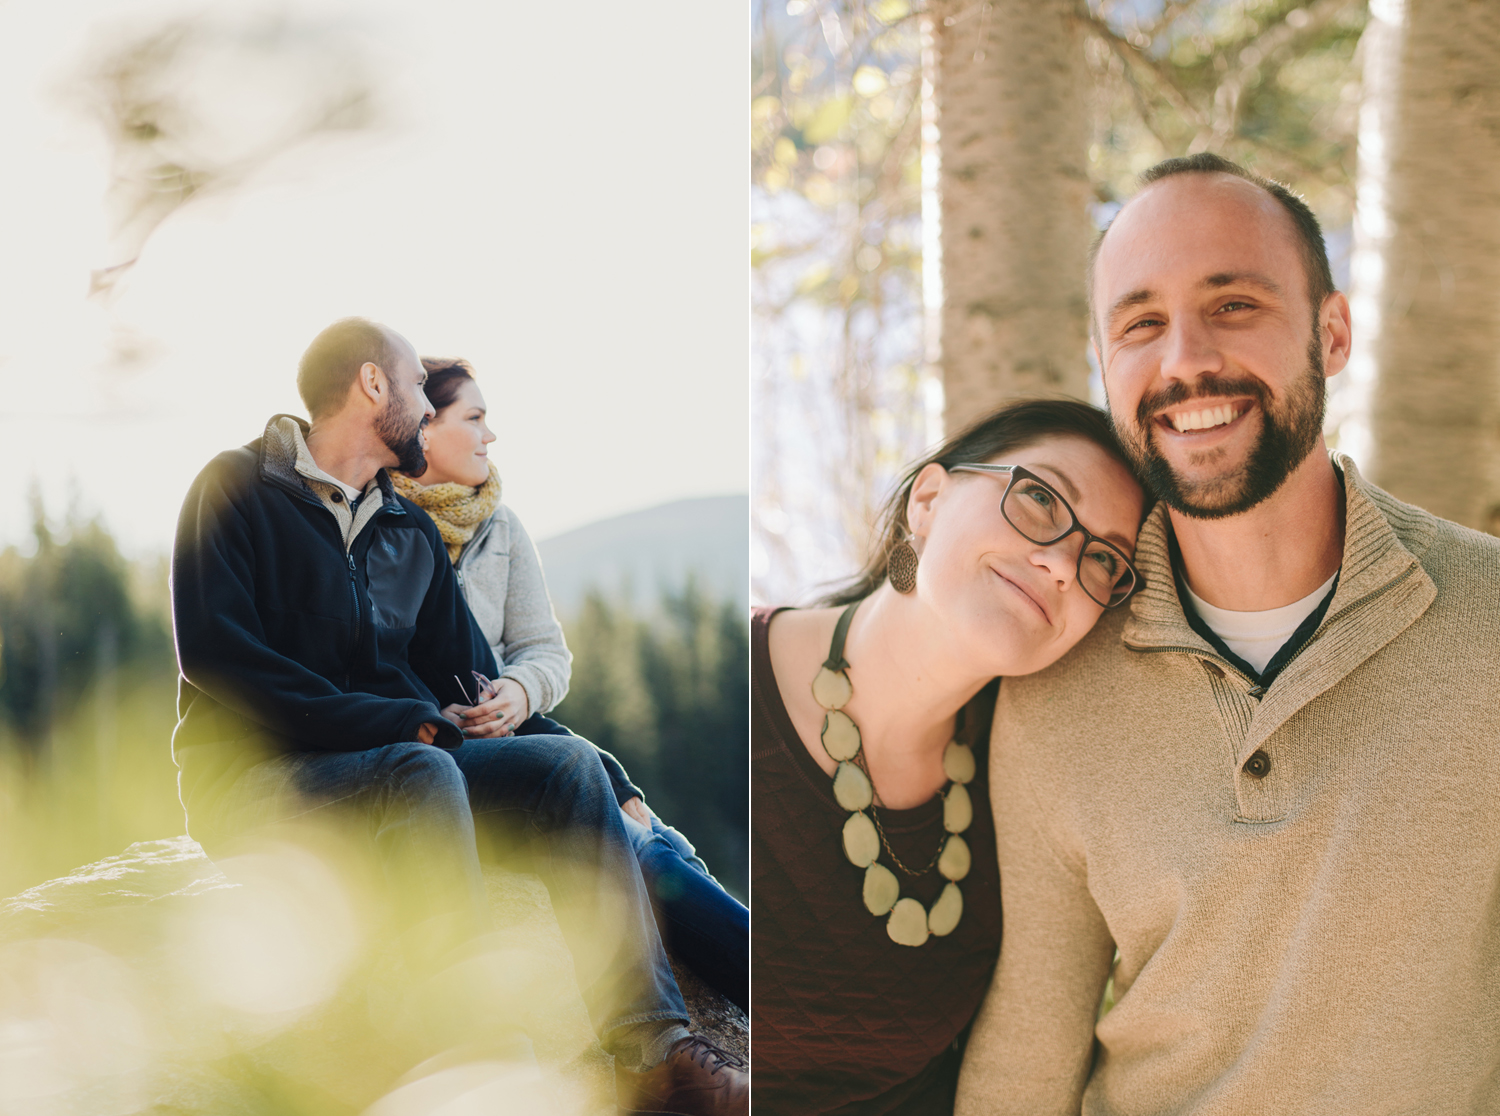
(286, 642)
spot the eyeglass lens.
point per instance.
(1037, 512)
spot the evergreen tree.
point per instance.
(67, 620)
(669, 696)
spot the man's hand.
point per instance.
(635, 808)
(427, 731)
(498, 715)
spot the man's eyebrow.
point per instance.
(1239, 278)
(1125, 302)
(1212, 282)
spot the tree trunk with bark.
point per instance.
(1427, 263)
(1012, 89)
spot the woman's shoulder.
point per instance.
(791, 620)
(761, 615)
(760, 623)
(791, 628)
(494, 540)
(497, 532)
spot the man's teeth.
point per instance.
(1202, 420)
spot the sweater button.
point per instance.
(1258, 766)
(336, 496)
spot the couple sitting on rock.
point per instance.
(331, 666)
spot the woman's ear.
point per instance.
(924, 492)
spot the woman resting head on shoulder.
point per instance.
(875, 890)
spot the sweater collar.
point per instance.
(1384, 541)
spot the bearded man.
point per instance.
(1261, 803)
(326, 654)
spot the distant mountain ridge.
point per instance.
(641, 553)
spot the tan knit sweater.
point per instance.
(1324, 939)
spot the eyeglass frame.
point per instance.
(1017, 471)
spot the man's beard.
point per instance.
(1287, 436)
(402, 435)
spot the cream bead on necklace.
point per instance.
(909, 923)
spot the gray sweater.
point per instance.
(1303, 886)
(501, 578)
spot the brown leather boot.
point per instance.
(696, 1079)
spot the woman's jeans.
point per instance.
(428, 812)
(702, 924)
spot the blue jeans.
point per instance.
(701, 923)
(428, 812)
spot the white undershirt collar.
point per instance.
(1257, 636)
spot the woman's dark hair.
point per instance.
(1012, 427)
(445, 375)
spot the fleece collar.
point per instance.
(284, 447)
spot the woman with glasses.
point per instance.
(874, 887)
(501, 579)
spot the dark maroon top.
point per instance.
(844, 1020)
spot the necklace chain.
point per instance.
(885, 841)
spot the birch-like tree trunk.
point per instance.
(1427, 263)
(1012, 91)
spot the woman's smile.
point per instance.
(460, 426)
(1032, 596)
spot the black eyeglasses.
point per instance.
(1036, 510)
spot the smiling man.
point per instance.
(1263, 801)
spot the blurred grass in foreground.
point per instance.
(103, 779)
(280, 981)
(87, 702)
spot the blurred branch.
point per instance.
(1141, 64)
(197, 105)
(1218, 120)
(1271, 47)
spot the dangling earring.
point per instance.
(901, 566)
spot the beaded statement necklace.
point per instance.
(909, 923)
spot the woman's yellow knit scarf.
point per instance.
(457, 509)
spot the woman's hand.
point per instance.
(498, 715)
(635, 808)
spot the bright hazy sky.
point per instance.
(557, 193)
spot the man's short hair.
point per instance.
(1309, 232)
(333, 360)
